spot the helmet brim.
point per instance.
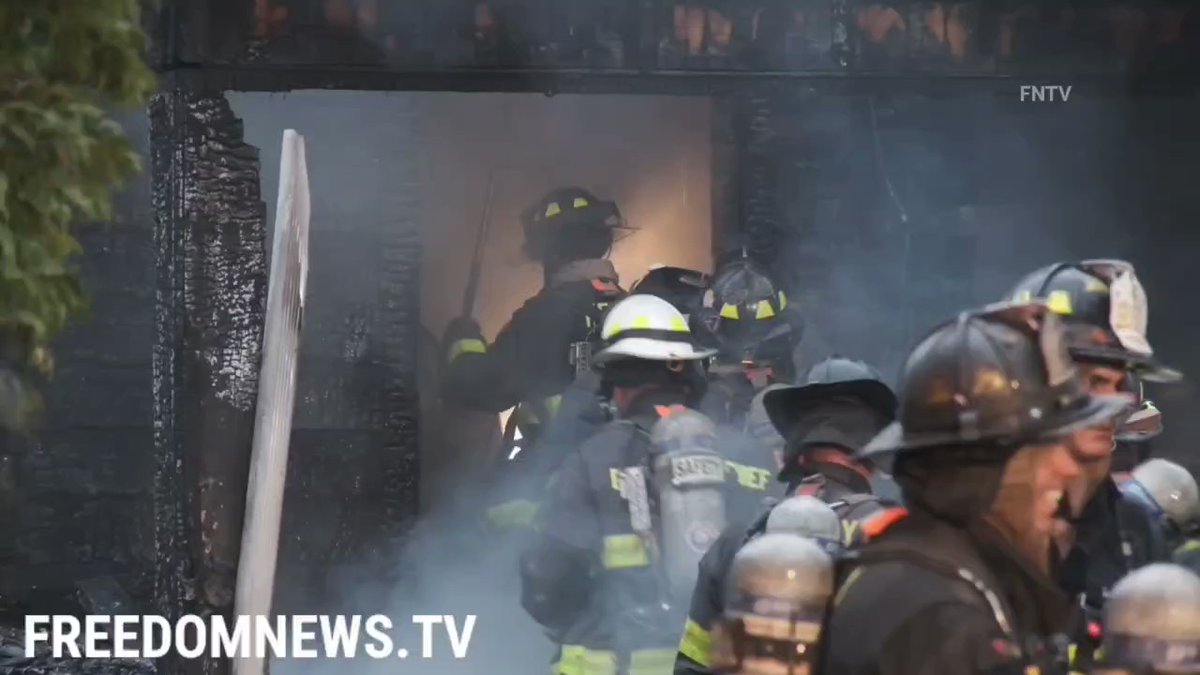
(648, 349)
(1143, 425)
(1098, 409)
(1145, 366)
(787, 405)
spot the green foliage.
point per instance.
(63, 63)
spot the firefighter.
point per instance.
(756, 331)
(538, 353)
(682, 287)
(843, 405)
(1103, 306)
(779, 586)
(748, 442)
(1153, 619)
(593, 576)
(1170, 493)
(961, 581)
(752, 459)
(761, 429)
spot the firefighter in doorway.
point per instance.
(534, 358)
(598, 576)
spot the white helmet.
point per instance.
(1173, 490)
(648, 327)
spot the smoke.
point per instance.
(377, 161)
(445, 566)
(921, 209)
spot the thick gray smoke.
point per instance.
(368, 155)
(921, 208)
(445, 567)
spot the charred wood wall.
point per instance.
(352, 472)
(210, 296)
(75, 494)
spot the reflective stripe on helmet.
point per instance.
(675, 324)
(622, 551)
(466, 346)
(696, 643)
(1059, 302)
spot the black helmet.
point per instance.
(1105, 312)
(570, 223)
(1000, 375)
(679, 286)
(744, 310)
(833, 377)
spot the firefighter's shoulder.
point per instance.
(878, 522)
(609, 447)
(885, 602)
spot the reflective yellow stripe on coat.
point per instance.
(750, 476)
(468, 346)
(518, 513)
(577, 660)
(696, 643)
(622, 551)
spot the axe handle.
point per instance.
(468, 304)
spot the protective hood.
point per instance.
(845, 423)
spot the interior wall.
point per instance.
(649, 153)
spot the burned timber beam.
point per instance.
(668, 83)
(210, 296)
